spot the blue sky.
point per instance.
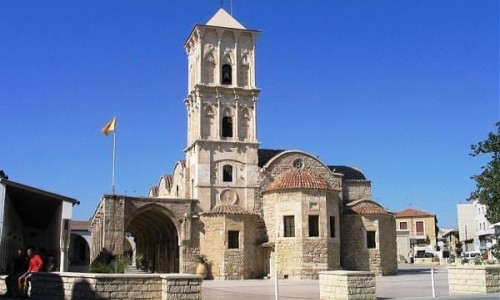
(399, 89)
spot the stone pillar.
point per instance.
(113, 230)
(340, 285)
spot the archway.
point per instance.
(156, 239)
(79, 253)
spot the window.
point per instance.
(370, 240)
(233, 239)
(420, 227)
(313, 225)
(227, 127)
(403, 226)
(289, 222)
(227, 173)
(332, 227)
(227, 76)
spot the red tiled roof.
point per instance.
(298, 179)
(365, 207)
(411, 212)
(227, 210)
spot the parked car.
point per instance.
(471, 255)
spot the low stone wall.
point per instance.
(473, 279)
(353, 285)
(3, 286)
(85, 286)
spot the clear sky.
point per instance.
(399, 89)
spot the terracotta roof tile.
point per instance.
(411, 212)
(227, 210)
(298, 179)
(365, 207)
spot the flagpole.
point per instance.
(113, 170)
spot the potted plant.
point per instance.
(202, 267)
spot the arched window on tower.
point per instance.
(227, 173)
(227, 76)
(227, 126)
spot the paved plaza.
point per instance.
(412, 282)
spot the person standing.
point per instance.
(35, 265)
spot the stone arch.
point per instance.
(178, 185)
(245, 128)
(156, 236)
(289, 159)
(164, 186)
(227, 122)
(208, 129)
(209, 57)
(79, 252)
(209, 65)
(244, 68)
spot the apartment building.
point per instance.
(476, 233)
(415, 228)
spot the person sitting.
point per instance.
(35, 265)
(19, 267)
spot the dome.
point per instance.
(298, 179)
(365, 207)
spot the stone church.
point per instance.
(250, 211)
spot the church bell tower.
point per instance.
(221, 151)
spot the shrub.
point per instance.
(202, 259)
(478, 261)
(435, 259)
(106, 262)
(115, 266)
(465, 260)
(98, 267)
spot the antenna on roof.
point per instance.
(231, 7)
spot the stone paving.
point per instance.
(412, 282)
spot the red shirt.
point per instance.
(36, 263)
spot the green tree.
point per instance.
(488, 182)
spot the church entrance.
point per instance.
(156, 239)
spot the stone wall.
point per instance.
(353, 190)
(3, 285)
(473, 279)
(355, 255)
(245, 262)
(84, 286)
(387, 245)
(301, 256)
(341, 285)
(284, 161)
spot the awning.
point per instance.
(35, 207)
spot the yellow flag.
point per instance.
(110, 126)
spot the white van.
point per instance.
(471, 254)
